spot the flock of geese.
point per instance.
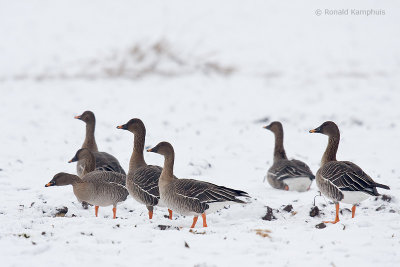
(101, 181)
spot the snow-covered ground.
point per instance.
(205, 76)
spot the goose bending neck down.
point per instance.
(342, 181)
(189, 196)
(94, 188)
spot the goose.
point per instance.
(342, 181)
(290, 175)
(142, 179)
(99, 188)
(104, 161)
(189, 196)
(89, 159)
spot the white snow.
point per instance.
(202, 75)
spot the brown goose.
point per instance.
(142, 179)
(188, 196)
(99, 188)
(342, 181)
(104, 161)
(293, 175)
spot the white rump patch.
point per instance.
(354, 197)
(299, 184)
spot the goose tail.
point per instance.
(382, 186)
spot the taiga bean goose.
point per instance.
(142, 179)
(99, 188)
(88, 157)
(104, 161)
(293, 175)
(342, 181)
(188, 196)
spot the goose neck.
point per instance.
(89, 164)
(137, 158)
(167, 173)
(90, 141)
(331, 150)
(279, 150)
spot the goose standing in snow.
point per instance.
(188, 196)
(142, 179)
(104, 161)
(99, 188)
(293, 175)
(342, 181)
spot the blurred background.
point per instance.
(58, 40)
(205, 76)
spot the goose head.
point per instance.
(134, 126)
(61, 179)
(87, 117)
(328, 128)
(274, 127)
(82, 153)
(163, 148)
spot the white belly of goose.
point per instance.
(300, 184)
(354, 197)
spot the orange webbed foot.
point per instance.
(114, 213)
(204, 220)
(194, 221)
(170, 214)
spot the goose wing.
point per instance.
(303, 168)
(108, 191)
(107, 162)
(204, 192)
(105, 177)
(146, 179)
(285, 169)
(347, 176)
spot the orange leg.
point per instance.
(286, 188)
(194, 221)
(353, 211)
(115, 212)
(337, 215)
(150, 214)
(204, 220)
(170, 214)
(96, 210)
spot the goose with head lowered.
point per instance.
(285, 174)
(142, 179)
(189, 196)
(342, 181)
(99, 188)
(104, 161)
